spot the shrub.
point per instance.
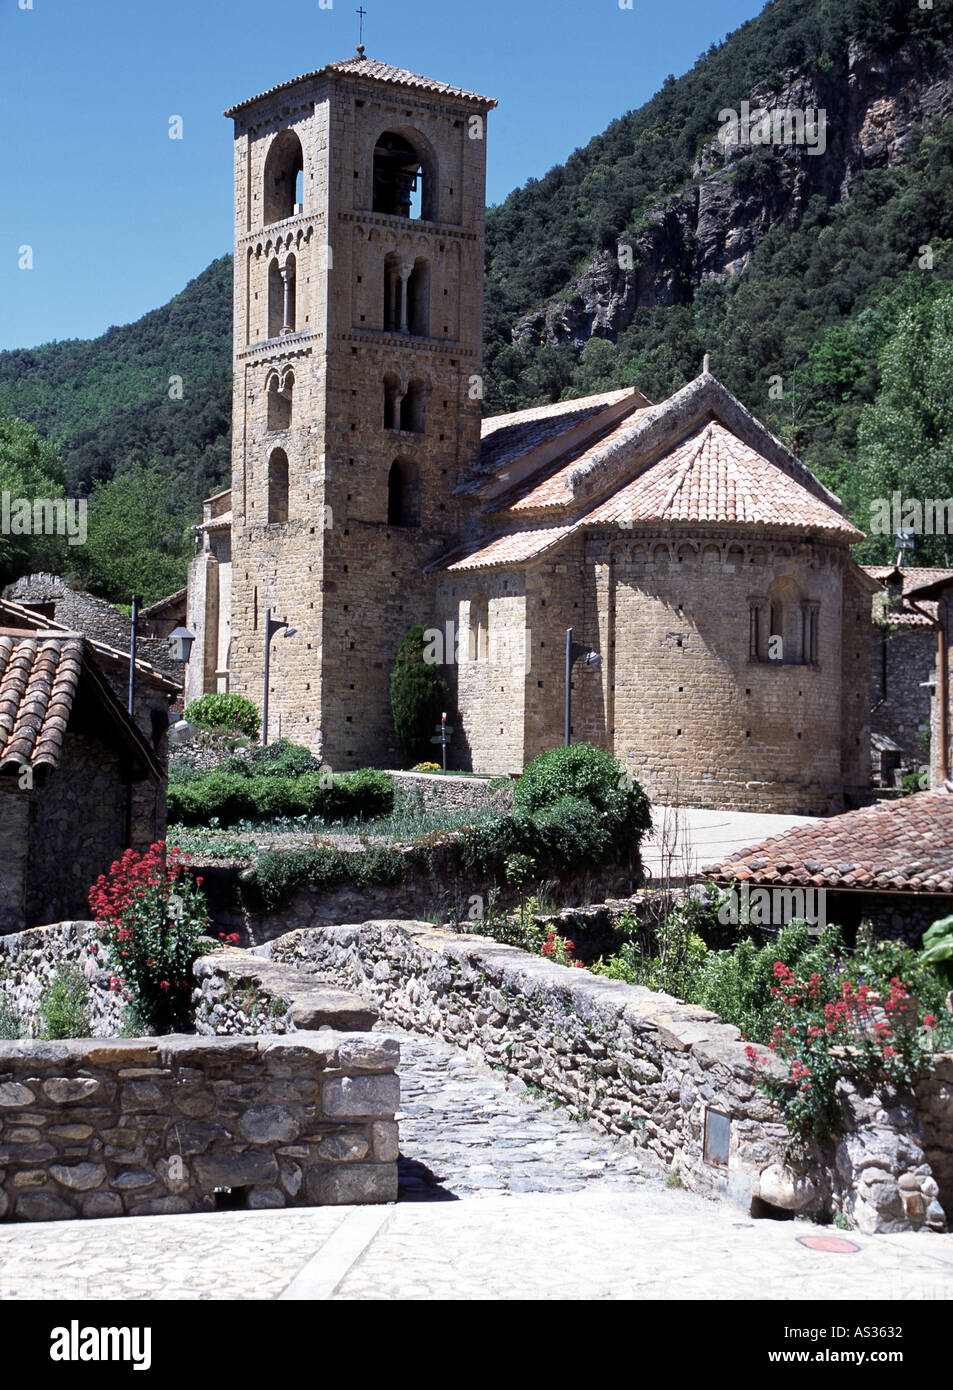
(152, 915)
(64, 1004)
(278, 873)
(280, 759)
(234, 792)
(218, 710)
(828, 1030)
(426, 767)
(418, 695)
(582, 773)
(938, 950)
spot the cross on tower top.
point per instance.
(361, 12)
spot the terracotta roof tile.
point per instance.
(360, 66)
(914, 577)
(555, 490)
(903, 845)
(39, 676)
(505, 550)
(506, 437)
(714, 477)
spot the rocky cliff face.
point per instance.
(754, 175)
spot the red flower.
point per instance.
(929, 1021)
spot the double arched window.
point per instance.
(280, 400)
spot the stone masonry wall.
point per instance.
(28, 962)
(145, 1127)
(639, 1064)
(434, 792)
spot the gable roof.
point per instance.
(17, 616)
(360, 66)
(893, 846)
(697, 458)
(916, 580)
(40, 678)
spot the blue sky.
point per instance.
(119, 217)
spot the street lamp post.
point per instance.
(271, 627)
(573, 652)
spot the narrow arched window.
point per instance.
(391, 401)
(479, 628)
(276, 300)
(280, 397)
(290, 288)
(413, 408)
(278, 486)
(418, 300)
(403, 494)
(398, 177)
(284, 177)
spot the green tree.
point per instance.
(905, 438)
(138, 538)
(29, 470)
(418, 695)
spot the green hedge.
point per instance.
(282, 780)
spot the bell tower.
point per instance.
(359, 228)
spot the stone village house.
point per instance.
(79, 781)
(706, 564)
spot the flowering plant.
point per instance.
(837, 1027)
(152, 914)
(558, 949)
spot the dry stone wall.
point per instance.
(669, 1074)
(152, 1126)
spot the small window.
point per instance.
(278, 486)
(403, 495)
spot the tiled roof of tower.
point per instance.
(715, 477)
(39, 676)
(894, 846)
(360, 66)
(509, 436)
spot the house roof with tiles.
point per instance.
(894, 846)
(361, 66)
(698, 458)
(909, 610)
(19, 617)
(42, 676)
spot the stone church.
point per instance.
(682, 542)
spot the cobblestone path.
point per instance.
(466, 1131)
(502, 1196)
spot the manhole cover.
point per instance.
(834, 1245)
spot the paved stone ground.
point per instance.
(465, 1131)
(688, 838)
(502, 1197)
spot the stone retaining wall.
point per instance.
(28, 962)
(670, 1075)
(144, 1127)
(238, 992)
(431, 791)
